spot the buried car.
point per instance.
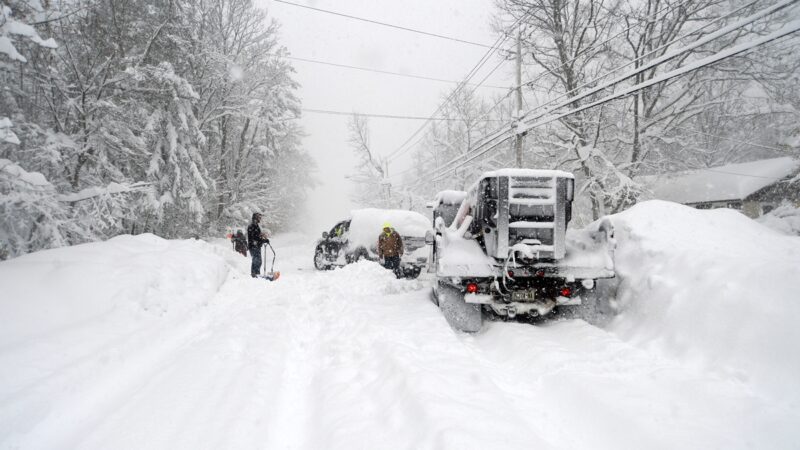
(356, 238)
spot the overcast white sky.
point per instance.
(315, 35)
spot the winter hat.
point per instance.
(387, 225)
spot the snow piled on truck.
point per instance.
(367, 224)
(711, 287)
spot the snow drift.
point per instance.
(72, 317)
(784, 219)
(141, 274)
(712, 287)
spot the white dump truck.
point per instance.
(508, 251)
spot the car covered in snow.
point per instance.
(356, 238)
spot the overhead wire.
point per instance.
(623, 31)
(376, 22)
(389, 116)
(531, 82)
(723, 54)
(496, 46)
(647, 66)
(667, 57)
(633, 61)
(386, 72)
(510, 91)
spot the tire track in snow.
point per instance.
(293, 416)
(223, 387)
(96, 389)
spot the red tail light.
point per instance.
(472, 288)
(566, 292)
(540, 273)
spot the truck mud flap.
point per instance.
(461, 315)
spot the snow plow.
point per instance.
(356, 238)
(507, 251)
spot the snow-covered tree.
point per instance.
(373, 187)
(174, 117)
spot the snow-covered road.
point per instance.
(356, 359)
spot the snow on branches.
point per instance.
(189, 103)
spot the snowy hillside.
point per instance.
(140, 342)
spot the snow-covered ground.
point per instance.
(139, 342)
(784, 219)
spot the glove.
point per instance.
(266, 241)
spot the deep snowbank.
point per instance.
(713, 287)
(67, 286)
(94, 315)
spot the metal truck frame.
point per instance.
(507, 251)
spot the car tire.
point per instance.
(319, 259)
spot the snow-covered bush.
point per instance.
(784, 219)
(12, 29)
(31, 215)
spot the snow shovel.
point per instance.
(271, 275)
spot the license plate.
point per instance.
(523, 296)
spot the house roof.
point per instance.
(729, 182)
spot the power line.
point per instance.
(498, 42)
(501, 131)
(388, 116)
(531, 82)
(652, 63)
(664, 58)
(386, 72)
(510, 91)
(739, 174)
(461, 138)
(723, 54)
(426, 33)
(625, 30)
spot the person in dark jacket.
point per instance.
(239, 242)
(255, 239)
(390, 248)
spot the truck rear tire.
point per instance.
(461, 315)
(586, 311)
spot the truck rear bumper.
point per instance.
(505, 308)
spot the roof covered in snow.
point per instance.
(729, 182)
(450, 197)
(510, 172)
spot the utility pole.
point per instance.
(518, 112)
(387, 184)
